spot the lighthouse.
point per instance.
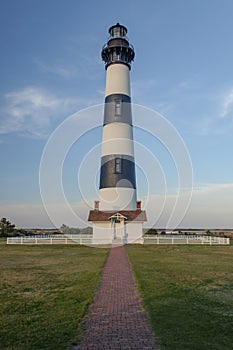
(117, 215)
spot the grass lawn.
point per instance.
(44, 293)
(188, 292)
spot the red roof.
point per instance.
(131, 215)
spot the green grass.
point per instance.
(44, 294)
(188, 293)
(2, 241)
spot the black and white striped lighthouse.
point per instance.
(117, 216)
(117, 190)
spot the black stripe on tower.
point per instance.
(117, 109)
(117, 171)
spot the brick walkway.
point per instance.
(117, 319)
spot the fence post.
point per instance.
(36, 240)
(187, 241)
(51, 241)
(66, 240)
(21, 240)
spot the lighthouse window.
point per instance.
(116, 31)
(118, 107)
(118, 165)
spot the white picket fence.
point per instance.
(87, 240)
(182, 239)
(53, 239)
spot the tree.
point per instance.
(66, 230)
(6, 228)
(152, 231)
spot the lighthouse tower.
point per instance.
(117, 215)
(117, 178)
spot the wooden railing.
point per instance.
(87, 240)
(182, 239)
(53, 239)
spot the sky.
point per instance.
(51, 69)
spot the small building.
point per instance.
(117, 227)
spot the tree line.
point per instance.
(7, 228)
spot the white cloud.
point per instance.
(218, 119)
(227, 105)
(31, 111)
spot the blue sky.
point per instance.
(50, 68)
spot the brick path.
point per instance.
(117, 319)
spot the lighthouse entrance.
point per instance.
(118, 227)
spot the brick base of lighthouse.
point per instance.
(117, 227)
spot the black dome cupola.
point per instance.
(117, 49)
(117, 31)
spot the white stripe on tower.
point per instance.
(117, 139)
(117, 189)
(117, 80)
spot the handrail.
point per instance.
(106, 45)
(118, 37)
